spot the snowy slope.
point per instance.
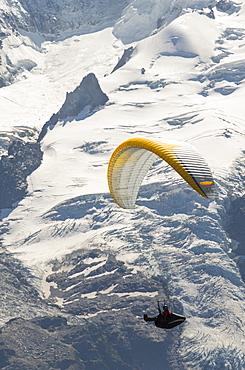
(24, 25)
(140, 18)
(192, 89)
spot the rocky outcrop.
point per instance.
(87, 96)
(49, 18)
(235, 229)
(23, 157)
(100, 333)
(19, 297)
(227, 6)
(124, 59)
(108, 332)
(50, 343)
(21, 160)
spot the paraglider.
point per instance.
(132, 159)
(128, 165)
(166, 319)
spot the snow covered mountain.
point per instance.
(78, 272)
(25, 24)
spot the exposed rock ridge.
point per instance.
(124, 59)
(86, 97)
(21, 160)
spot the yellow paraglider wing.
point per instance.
(133, 158)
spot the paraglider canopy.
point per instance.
(132, 159)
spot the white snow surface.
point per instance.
(140, 18)
(193, 90)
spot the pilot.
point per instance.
(165, 319)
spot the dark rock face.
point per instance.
(51, 17)
(124, 59)
(48, 343)
(19, 297)
(235, 225)
(113, 277)
(109, 331)
(227, 6)
(88, 95)
(235, 228)
(22, 159)
(26, 345)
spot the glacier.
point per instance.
(67, 249)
